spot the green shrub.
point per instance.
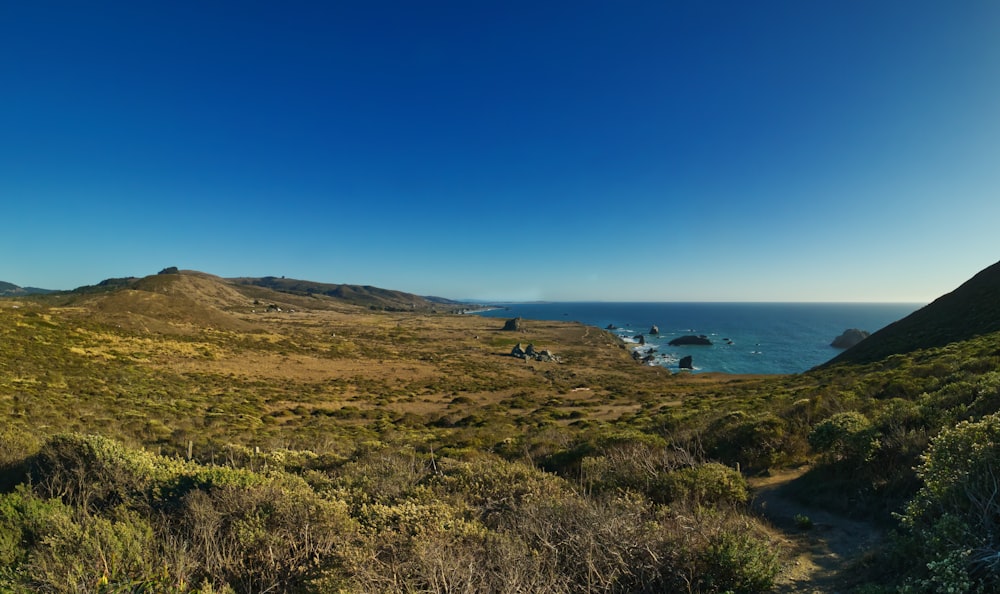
(846, 436)
(57, 549)
(755, 442)
(954, 520)
(709, 484)
(739, 562)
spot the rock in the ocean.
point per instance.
(691, 339)
(686, 363)
(654, 330)
(640, 339)
(849, 338)
(512, 325)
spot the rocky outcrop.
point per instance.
(530, 353)
(646, 357)
(686, 363)
(849, 338)
(691, 340)
(640, 339)
(654, 330)
(512, 325)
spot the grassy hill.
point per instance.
(182, 436)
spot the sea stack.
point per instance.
(849, 338)
(691, 339)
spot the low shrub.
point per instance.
(953, 522)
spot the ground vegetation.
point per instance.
(172, 435)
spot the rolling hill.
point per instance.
(184, 301)
(973, 309)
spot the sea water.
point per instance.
(746, 337)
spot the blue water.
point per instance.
(762, 337)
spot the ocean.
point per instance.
(770, 338)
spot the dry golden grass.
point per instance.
(181, 358)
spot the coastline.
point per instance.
(746, 338)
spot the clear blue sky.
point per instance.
(578, 150)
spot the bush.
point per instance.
(755, 442)
(709, 484)
(135, 521)
(60, 550)
(739, 562)
(954, 520)
(845, 437)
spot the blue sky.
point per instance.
(640, 151)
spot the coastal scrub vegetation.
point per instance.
(172, 449)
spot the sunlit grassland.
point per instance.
(303, 379)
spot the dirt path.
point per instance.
(818, 556)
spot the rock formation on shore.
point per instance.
(686, 363)
(849, 338)
(512, 325)
(529, 352)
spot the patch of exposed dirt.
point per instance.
(820, 551)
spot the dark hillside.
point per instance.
(971, 310)
(105, 286)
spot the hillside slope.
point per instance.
(168, 303)
(971, 310)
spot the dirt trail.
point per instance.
(819, 555)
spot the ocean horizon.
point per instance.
(747, 337)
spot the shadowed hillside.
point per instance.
(971, 310)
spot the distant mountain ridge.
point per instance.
(971, 310)
(363, 295)
(12, 290)
(184, 301)
(180, 300)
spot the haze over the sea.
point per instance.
(640, 151)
